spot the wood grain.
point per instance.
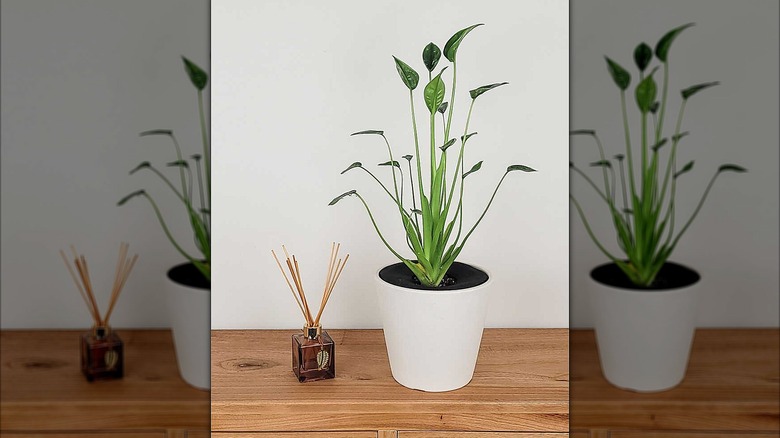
(679, 434)
(732, 384)
(86, 434)
(42, 388)
(304, 434)
(435, 434)
(520, 384)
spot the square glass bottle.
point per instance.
(102, 354)
(313, 355)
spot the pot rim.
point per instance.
(438, 292)
(669, 290)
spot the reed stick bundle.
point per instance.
(335, 266)
(84, 284)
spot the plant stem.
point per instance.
(206, 148)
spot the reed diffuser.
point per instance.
(101, 348)
(313, 351)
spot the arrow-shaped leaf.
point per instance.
(519, 167)
(685, 168)
(416, 211)
(408, 157)
(388, 163)
(409, 77)
(473, 169)
(601, 163)
(430, 55)
(731, 168)
(443, 107)
(434, 93)
(130, 196)
(352, 166)
(143, 165)
(342, 196)
(645, 94)
(368, 131)
(582, 132)
(178, 163)
(156, 132)
(485, 88)
(642, 56)
(465, 138)
(619, 157)
(448, 144)
(677, 137)
(451, 48)
(662, 48)
(659, 145)
(690, 91)
(621, 77)
(198, 77)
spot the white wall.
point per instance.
(80, 80)
(293, 79)
(734, 241)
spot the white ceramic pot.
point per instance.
(433, 336)
(190, 316)
(644, 336)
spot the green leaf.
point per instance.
(178, 163)
(662, 48)
(408, 75)
(205, 210)
(654, 107)
(645, 94)
(408, 157)
(198, 77)
(621, 77)
(388, 163)
(416, 211)
(619, 157)
(519, 167)
(659, 145)
(196, 157)
(368, 131)
(156, 132)
(130, 196)
(451, 48)
(690, 91)
(430, 55)
(582, 132)
(473, 169)
(443, 107)
(465, 138)
(352, 166)
(477, 91)
(677, 137)
(143, 165)
(601, 163)
(448, 144)
(685, 168)
(342, 196)
(731, 168)
(642, 56)
(434, 93)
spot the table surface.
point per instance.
(520, 383)
(732, 383)
(42, 387)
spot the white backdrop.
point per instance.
(80, 80)
(293, 79)
(734, 241)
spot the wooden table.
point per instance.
(731, 389)
(43, 393)
(520, 385)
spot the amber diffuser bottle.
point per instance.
(101, 354)
(314, 355)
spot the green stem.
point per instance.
(206, 148)
(165, 228)
(590, 232)
(630, 162)
(696, 212)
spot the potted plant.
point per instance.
(190, 282)
(433, 307)
(643, 304)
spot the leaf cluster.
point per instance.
(644, 215)
(198, 211)
(433, 224)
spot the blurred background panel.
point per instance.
(80, 80)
